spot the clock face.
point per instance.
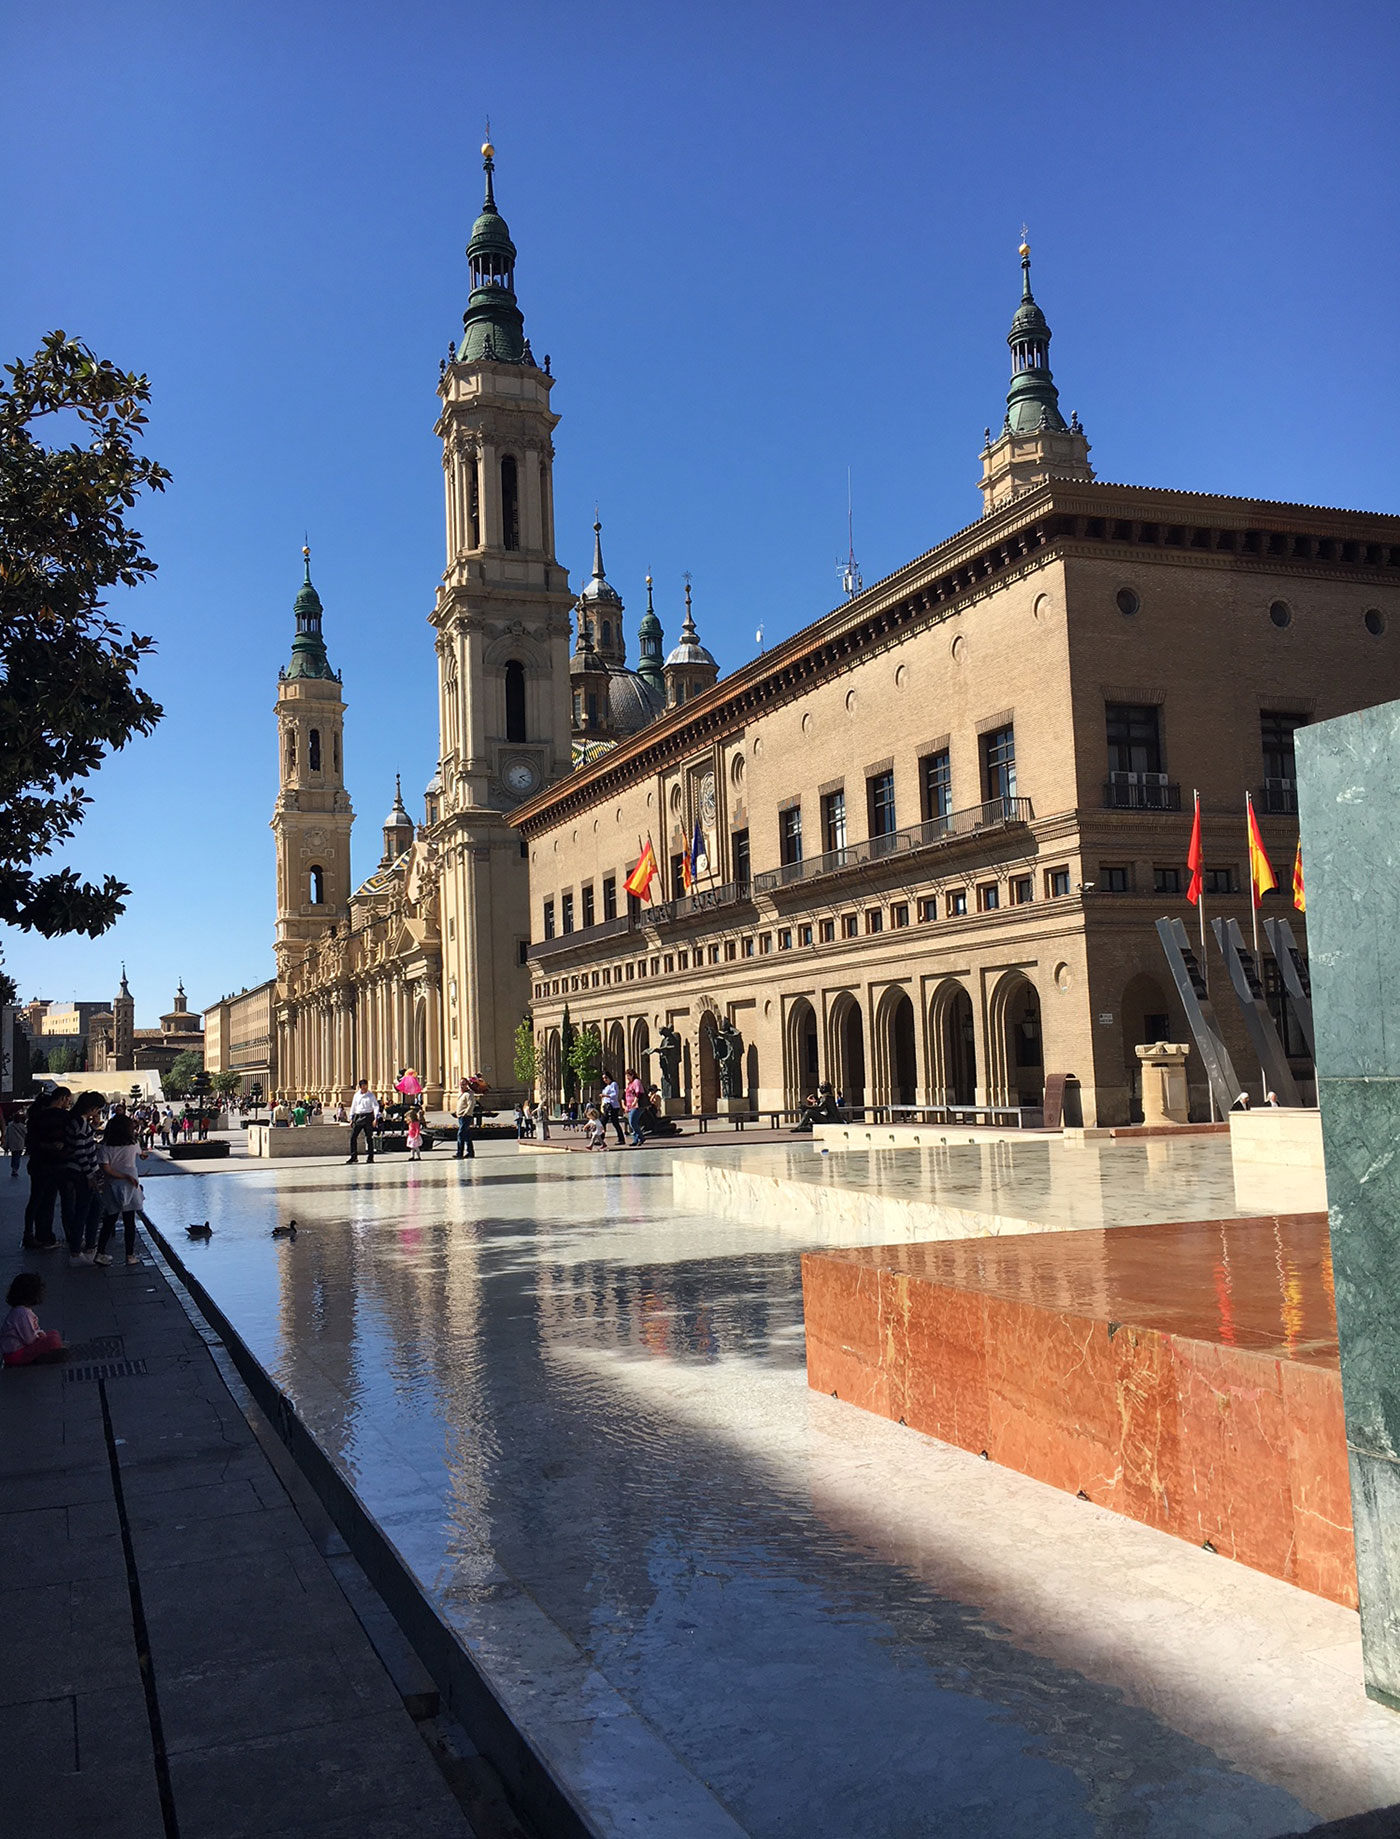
(520, 776)
(707, 798)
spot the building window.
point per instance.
(1219, 880)
(291, 748)
(607, 634)
(669, 963)
(1116, 877)
(999, 763)
(957, 903)
(739, 851)
(609, 897)
(988, 897)
(935, 770)
(804, 935)
(1134, 737)
(834, 821)
(748, 948)
(784, 938)
(790, 834)
(567, 905)
(850, 926)
(880, 794)
(731, 951)
(1280, 613)
(335, 749)
(874, 920)
(678, 876)
(828, 932)
(578, 708)
(1276, 731)
(318, 887)
(313, 750)
(515, 700)
(1056, 882)
(765, 944)
(452, 923)
(1022, 890)
(1374, 621)
(928, 911)
(474, 509)
(522, 951)
(592, 709)
(510, 504)
(1166, 881)
(588, 907)
(683, 960)
(899, 914)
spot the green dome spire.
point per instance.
(1032, 402)
(493, 326)
(649, 645)
(308, 647)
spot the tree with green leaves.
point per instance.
(68, 695)
(226, 1084)
(180, 1078)
(586, 1059)
(527, 1059)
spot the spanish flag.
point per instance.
(1195, 858)
(638, 883)
(1299, 900)
(1261, 874)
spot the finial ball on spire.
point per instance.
(306, 551)
(1024, 250)
(488, 152)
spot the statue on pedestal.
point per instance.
(729, 1059)
(668, 1062)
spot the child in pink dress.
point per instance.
(22, 1341)
(415, 1135)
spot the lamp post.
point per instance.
(199, 1085)
(255, 1097)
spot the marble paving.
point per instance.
(721, 1603)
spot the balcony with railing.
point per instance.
(1141, 792)
(698, 903)
(1277, 798)
(586, 935)
(956, 827)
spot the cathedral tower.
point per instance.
(502, 625)
(1035, 443)
(312, 818)
(123, 1028)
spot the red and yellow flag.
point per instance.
(1195, 857)
(638, 883)
(1261, 873)
(1299, 900)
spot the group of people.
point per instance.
(367, 1116)
(83, 1159)
(640, 1105)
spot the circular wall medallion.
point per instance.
(1127, 602)
(807, 722)
(757, 745)
(617, 815)
(736, 770)
(850, 702)
(1280, 613)
(901, 676)
(651, 799)
(675, 798)
(1063, 979)
(1041, 609)
(595, 826)
(959, 649)
(767, 1008)
(1374, 621)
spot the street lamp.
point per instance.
(200, 1087)
(255, 1097)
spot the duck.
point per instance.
(206, 1231)
(289, 1231)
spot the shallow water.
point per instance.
(583, 1417)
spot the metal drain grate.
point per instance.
(107, 1369)
(101, 1347)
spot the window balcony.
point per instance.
(697, 904)
(955, 827)
(1141, 792)
(1277, 798)
(587, 935)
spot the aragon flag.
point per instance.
(1299, 899)
(638, 883)
(1261, 873)
(1195, 858)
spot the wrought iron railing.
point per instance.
(1278, 797)
(956, 826)
(1141, 792)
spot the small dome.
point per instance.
(434, 786)
(600, 592)
(632, 701)
(691, 651)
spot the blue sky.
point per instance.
(762, 243)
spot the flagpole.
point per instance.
(1201, 911)
(1250, 828)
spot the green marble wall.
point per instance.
(1349, 804)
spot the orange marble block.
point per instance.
(1185, 1375)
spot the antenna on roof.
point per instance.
(851, 583)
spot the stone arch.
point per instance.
(845, 1048)
(517, 646)
(896, 1062)
(801, 1046)
(615, 1061)
(709, 1071)
(1015, 1044)
(641, 1046)
(952, 1034)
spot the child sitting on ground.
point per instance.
(415, 1135)
(22, 1341)
(121, 1186)
(595, 1129)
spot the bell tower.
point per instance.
(312, 818)
(502, 638)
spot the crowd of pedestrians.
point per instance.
(83, 1158)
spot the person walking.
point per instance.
(16, 1136)
(612, 1107)
(465, 1108)
(633, 1096)
(47, 1122)
(121, 1186)
(364, 1114)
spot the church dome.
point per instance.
(690, 651)
(632, 701)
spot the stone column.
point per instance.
(1165, 1099)
(1348, 777)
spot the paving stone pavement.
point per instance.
(180, 1657)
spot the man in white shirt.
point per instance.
(612, 1109)
(466, 1117)
(364, 1109)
